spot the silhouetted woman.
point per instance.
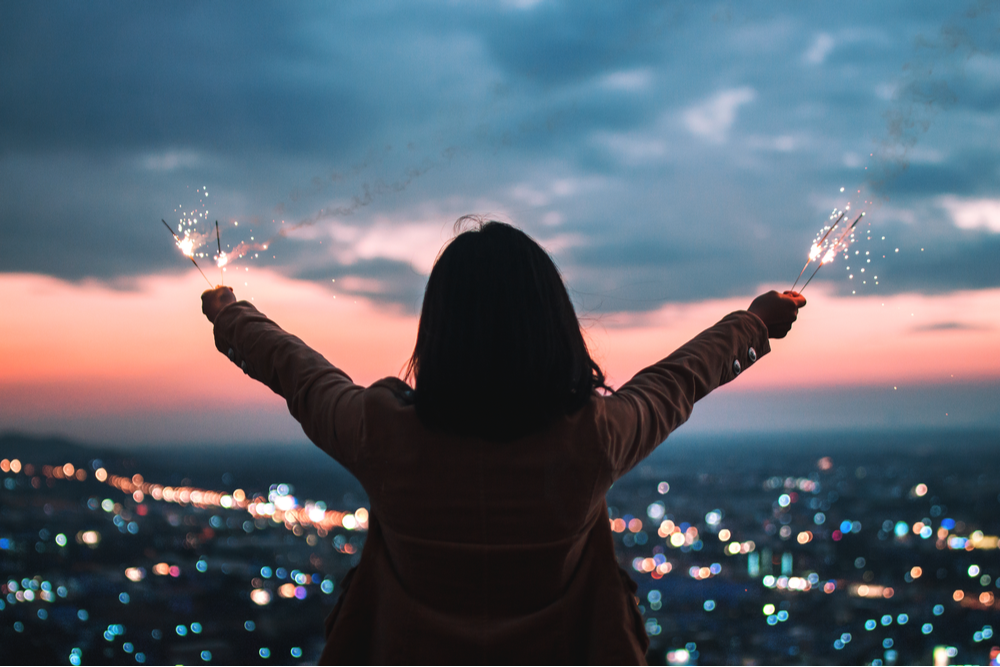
(489, 539)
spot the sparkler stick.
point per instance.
(832, 252)
(218, 239)
(178, 240)
(817, 246)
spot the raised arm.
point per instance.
(320, 396)
(644, 411)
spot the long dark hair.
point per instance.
(499, 350)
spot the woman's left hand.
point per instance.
(214, 300)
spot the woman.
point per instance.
(489, 539)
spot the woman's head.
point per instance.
(499, 350)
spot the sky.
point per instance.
(675, 158)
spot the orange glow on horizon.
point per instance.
(88, 348)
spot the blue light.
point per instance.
(196, 628)
(772, 620)
(709, 605)
(18, 626)
(903, 619)
(206, 656)
(654, 596)
(947, 524)
(927, 628)
(181, 630)
(887, 620)
(250, 626)
(326, 586)
(938, 609)
(838, 644)
(266, 572)
(82, 615)
(264, 653)
(782, 615)
(887, 642)
(123, 598)
(901, 529)
(127, 647)
(140, 657)
(201, 566)
(296, 652)
(845, 527)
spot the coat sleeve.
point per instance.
(320, 396)
(645, 410)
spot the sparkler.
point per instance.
(221, 261)
(187, 248)
(831, 253)
(817, 247)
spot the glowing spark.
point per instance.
(841, 242)
(187, 247)
(817, 248)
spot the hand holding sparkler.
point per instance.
(777, 311)
(214, 300)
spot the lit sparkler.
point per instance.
(221, 260)
(817, 249)
(831, 253)
(187, 248)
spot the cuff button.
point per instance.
(752, 354)
(736, 367)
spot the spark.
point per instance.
(842, 242)
(817, 248)
(186, 246)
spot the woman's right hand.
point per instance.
(214, 300)
(777, 311)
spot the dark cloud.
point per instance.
(965, 173)
(384, 281)
(969, 262)
(351, 113)
(561, 43)
(949, 326)
(107, 76)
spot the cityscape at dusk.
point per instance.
(769, 556)
(837, 503)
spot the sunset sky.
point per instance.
(676, 159)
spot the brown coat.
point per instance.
(479, 552)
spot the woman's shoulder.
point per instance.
(392, 387)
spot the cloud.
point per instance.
(821, 47)
(627, 80)
(712, 119)
(171, 160)
(973, 213)
(950, 326)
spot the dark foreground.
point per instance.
(847, 549)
